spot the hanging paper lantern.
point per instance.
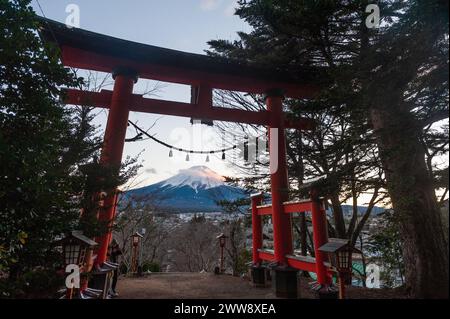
(207, 158)
(187, 157)
(170, 153)
(223, 154)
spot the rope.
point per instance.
(142, 132)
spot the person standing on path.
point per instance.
(114, 252)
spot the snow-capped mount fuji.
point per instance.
(196, 189)
(197, 177)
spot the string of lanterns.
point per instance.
(141, 132)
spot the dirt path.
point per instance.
(189, 286)
(210, 286)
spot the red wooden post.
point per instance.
(341, 286)
(113, 144)
(116, 200)
(320, 237)
(257, 236)
(282, 230)
(133, 256)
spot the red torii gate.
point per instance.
(128, 60)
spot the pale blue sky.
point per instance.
(184, 25)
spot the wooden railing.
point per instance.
(306, 263)
(291, 207)
(319, 264)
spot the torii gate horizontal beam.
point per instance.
(93, 51)
(202, 110)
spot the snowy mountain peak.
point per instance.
(196, 189)
(195, 177)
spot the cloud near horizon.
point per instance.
(209, 5)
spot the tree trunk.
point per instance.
(303, 230)
(414, 202)
(299, 173)
(338, 215)
(364, 264)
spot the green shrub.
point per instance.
(244, 258)
(38, 283)
(42, 282)
(11, 289)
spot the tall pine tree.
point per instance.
(388, 83)
(42, 144)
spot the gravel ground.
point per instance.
(210, 286)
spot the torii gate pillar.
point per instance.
(113, 144)
(278, 177)
(285, 277)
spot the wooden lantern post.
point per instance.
(340, 253)
(77, 250)
(135, 240)
(222, 238)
